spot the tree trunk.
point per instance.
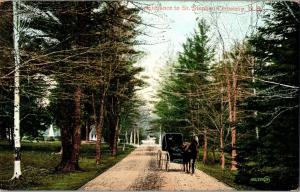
(233, 129)
(222, 149)
(73, 164)
(70, 133)
(66, 141)
(112, 130)
(222, 157)
(204, 159)
(87, 130)
(113, 124)
(134, 136)
(131, 137)
(126, 137)
(232, 116)
(99, 128)
(11, 136)
(116, 136)
(214, 149)
(3, 132)
(17, 139)
(66, 133)
(138, 136)
(254, 93)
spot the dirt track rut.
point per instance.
(138, 171)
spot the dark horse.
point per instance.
(190, 154)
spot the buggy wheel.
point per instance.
(167, 162)
(158, 158)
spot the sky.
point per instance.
(174, 21)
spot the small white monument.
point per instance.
(51, 131)
(92, 134)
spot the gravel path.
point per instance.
(138, 171)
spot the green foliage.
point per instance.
(34, 113)
(227, 176)
(102, 49)
(275, 154)
(181, 93)
(50, 139)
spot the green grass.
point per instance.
(39, 160)
(214, 169)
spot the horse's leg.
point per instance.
(189, 166)
(193, 165)
(184, 160)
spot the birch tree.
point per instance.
(17, 139)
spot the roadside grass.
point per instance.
(39, 160)
(213, 168)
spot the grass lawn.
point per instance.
(39, 160)
(214, 169)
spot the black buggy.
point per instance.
(171, 150)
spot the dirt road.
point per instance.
(138, 171)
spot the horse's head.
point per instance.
(195, 140)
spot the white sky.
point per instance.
(234, 20)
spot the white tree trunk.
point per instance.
(130, 137)
(126, 137)
(134, 136)
(138, 136)
(254, 93)
(17, 142)
(159, 141)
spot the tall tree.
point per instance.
(17, 139)
(99, 42)
(273, 153)
(34, 116)
(66, 53)
(183, 95)
(236, 66)
(121, 36)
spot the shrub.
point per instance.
(50, 139)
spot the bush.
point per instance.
(40, 138)
(50, 139)
(268, 178)
(57, 138)
(28, 138)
